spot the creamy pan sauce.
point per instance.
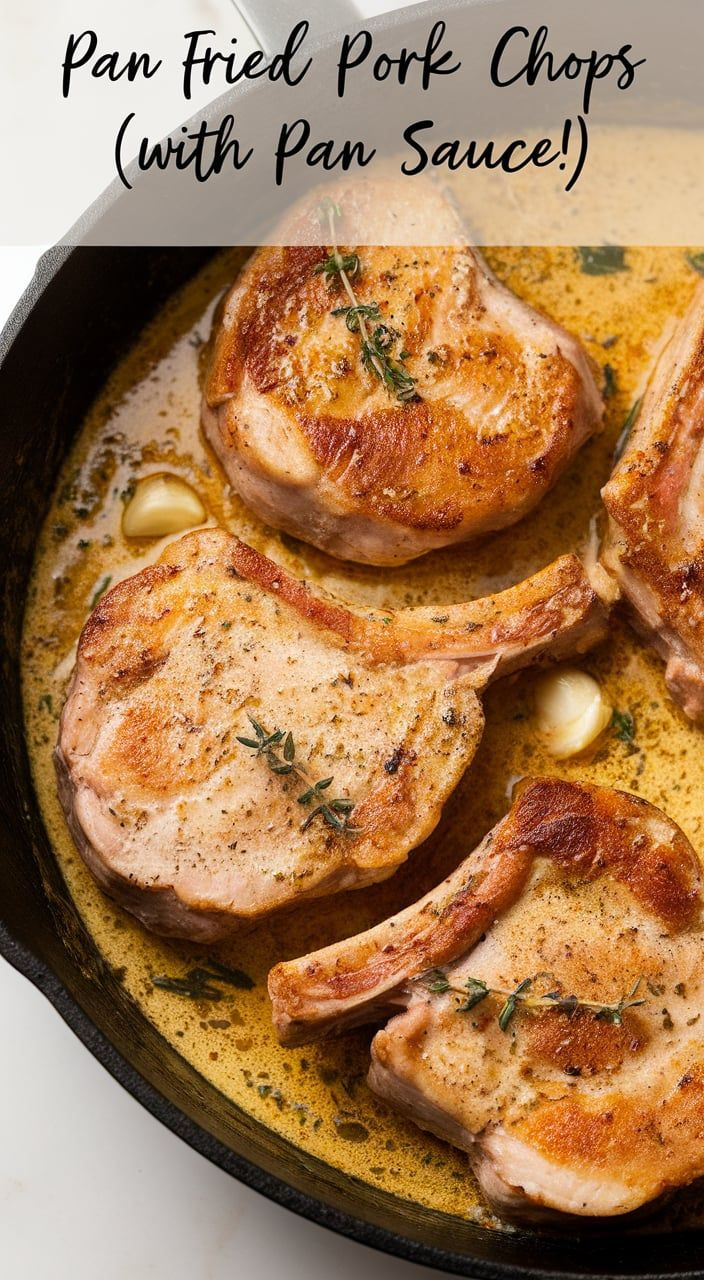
(146, 421)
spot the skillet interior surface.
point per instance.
(49, 377)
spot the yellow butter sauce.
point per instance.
(147, 420)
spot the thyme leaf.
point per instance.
(626, 429)
(337, 264)
(609, 382)
(474, 990)
(232, 977)
(282, 761)
(100, 591)
(195, 985)
(614, 1013)
(437, 981)
(353, 314)
(509, 1007)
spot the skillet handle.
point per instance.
(270, 21)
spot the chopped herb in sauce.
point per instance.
(696, 261)
(233, 977)
(601, 260)
(200, 983)
(193, 986)
(609, 382)
(624, 726)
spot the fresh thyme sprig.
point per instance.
(376, 345)
(199, 983)
(279, 751)
(474, 991)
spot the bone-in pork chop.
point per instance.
(318, 444)
(571, 1096)
(194, 831)
(655, 501)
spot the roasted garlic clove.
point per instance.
(161, 504)
(570, 711)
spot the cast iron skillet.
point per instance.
(81, 313)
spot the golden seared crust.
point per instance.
(594, 831)
(587, 832)
(315, 442)
(168, 669)
(190, 829)
(639, 1141)
(428, 464)
(655, 501)
(585, 891)
(581, 1046)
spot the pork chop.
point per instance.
(317, 443)
(570, 1095)
(655, 501)
(195, 831)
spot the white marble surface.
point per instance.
(90, 1184)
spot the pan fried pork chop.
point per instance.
(194, 832)
(655, 501)
(563, 1106)
(317, 445)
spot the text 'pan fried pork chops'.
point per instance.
(593, 1106)
(655, 501)
(194, 832)
(318, 445)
